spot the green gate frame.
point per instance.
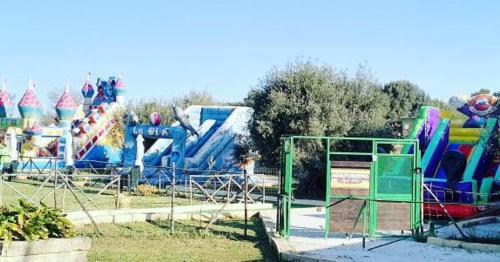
(410, 146)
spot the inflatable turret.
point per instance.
(6, 103)
(29, 106)
(119, 90)
(66, 108)
(88, 94)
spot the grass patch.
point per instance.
(152, 241)
(106, 200)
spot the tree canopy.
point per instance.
(309, 99)
(405, 99)
(305, 98)
(143, 108)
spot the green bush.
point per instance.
(30, 222)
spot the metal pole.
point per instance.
(159, 181)
(172, 200)
(245, 203)
(55, 186)
(263, 190)
(328, 178)
(1, 183)
(83, 207)
(1, 189)
(185, 186)
(228, 195)
(118, 191)
(363, 235)
(445, 210)
(128, 181)
(64, 198)
(190, 191)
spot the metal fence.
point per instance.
(99, 186)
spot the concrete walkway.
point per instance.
(307, 243)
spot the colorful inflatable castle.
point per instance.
(73, 137)
(91, 131)
(460, 157)
(36, 144)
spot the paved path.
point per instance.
(307, 243)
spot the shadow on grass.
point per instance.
(229, 229)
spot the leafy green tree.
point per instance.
(481, 91)
(309, 99)
(195, 98)
(405, 99)
(143, 108)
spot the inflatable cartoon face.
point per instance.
(482, 104)
(478, 108)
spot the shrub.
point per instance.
(146, 190)
(29, 222)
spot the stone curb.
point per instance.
(52, 249)
(80, 218)
(465, 245)
(281, 249)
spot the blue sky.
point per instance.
(166, 48)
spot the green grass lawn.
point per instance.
(104, 201)
(152, 241)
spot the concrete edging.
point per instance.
(465, 245)
(80, 218)
(283, 253)
(52, 249)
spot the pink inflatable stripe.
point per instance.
(66, 101)
(30, 99)
(94, 139)
(5, 99)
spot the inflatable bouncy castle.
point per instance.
(460, 156)
(74, 137)
(90, 133)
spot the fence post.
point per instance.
(172, 200)
(263, 190)
(190, 191)
(64, 198)
(245, 203)
(229, 186)
(1, 188)
(55, 187)
(2, 174)
(118, 185)
(159, 181)
(128, 180)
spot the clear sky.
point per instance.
(166, 48)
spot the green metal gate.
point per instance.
(394, 177)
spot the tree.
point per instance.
(143, 108)
(309, 99)
(481, 91)
(405, 99)
(195, 98)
